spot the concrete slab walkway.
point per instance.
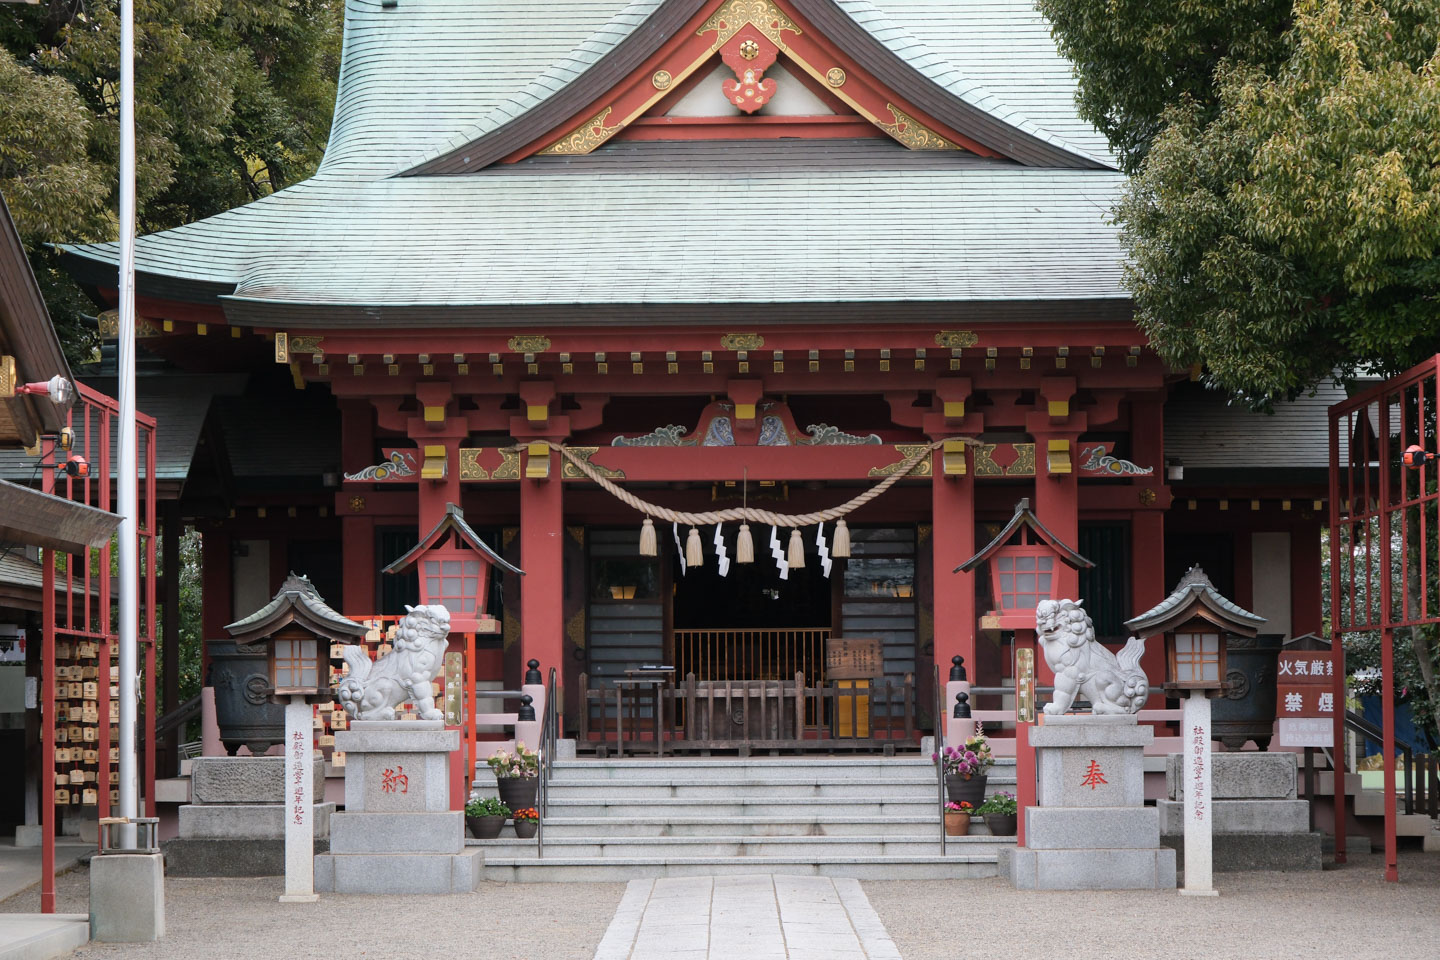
(20, 866)
(41, 936)
(758, 917)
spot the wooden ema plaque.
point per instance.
(854, 658)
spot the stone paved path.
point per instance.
(755, 917)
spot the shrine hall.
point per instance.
(706, 335)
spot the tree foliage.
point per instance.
(233, 101)
(1283, 222)
(1136, 58)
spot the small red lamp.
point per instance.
(1022, 573)
(454, 567)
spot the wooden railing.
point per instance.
(749, 714)
(768, 653)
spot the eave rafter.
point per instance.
(748, 35)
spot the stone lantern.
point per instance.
(1196, 620)
(297, 628)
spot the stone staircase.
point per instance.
(860, 817)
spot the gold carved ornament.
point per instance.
(509, 468)
(569, 471)
(912, 133)
(661, 80)
(733, 17)
(835, 77)
(470, 468)
(529, 344)
(985, 465)
(575, 629)
(310, 345)
(584, 138)
(956, 339)
(742, 341)
(906, 450)
(1024, 465)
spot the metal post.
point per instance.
(128, 469)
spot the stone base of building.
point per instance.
(220, 857)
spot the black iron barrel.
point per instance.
(1247, 709)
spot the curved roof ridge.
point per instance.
(561, 74)
(945, 74)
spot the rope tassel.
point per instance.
(648, 545)
(744, 546)
(840, 543)
(796, 558)
(694, 552)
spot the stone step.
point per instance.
(856, 787)
(40, 936)
(742, 806)
(800, 848)
(615, 869)
(753, 768)
(924, 823)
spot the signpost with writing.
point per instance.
(1305, 699)
(299, 833)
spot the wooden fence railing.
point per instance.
(697, 715)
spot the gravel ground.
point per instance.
(1347, 912)
(227, 918)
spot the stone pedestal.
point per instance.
(234, 825)
(398, 833)
(1090, 829)
(1259, 824)
(127, 898)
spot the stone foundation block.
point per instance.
(392, 873)
(1088, 730)
(397, 736)
(398, 832)
(127, 898)
(1240, 776)
(245, 821)
(244, 780)
(1090, 777)
(1241, 816)
(210, 857)
(1236, 852)
(1105, 869)
(1076, 828)
(27, 835)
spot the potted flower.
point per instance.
(957, 818)
(965, 769)
(527, 821)
(516, 775)
(485, 816)
(1000, 812)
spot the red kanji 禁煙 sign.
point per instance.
(1305, 689)
(1294, 701)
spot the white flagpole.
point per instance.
(127, 468)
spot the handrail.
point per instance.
(940, 752)
(188, 710)
(548, 738)
(1357, 722)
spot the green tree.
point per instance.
(1136, 58)
(233, 101)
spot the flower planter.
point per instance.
(957, 824)
(525, 829)
(485, 828)
(962, 790)
(517, 793)
(1001, 824)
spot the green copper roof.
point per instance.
(649, 223)
(297, 600)
(1194, 589)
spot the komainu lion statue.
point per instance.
(1083, 667)
(373, 690)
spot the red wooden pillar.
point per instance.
(542, 589)
(1147, 522)
(357, 543)
(953, 542)
(217, 579)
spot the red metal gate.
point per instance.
(1383, 517)
(81, 619)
